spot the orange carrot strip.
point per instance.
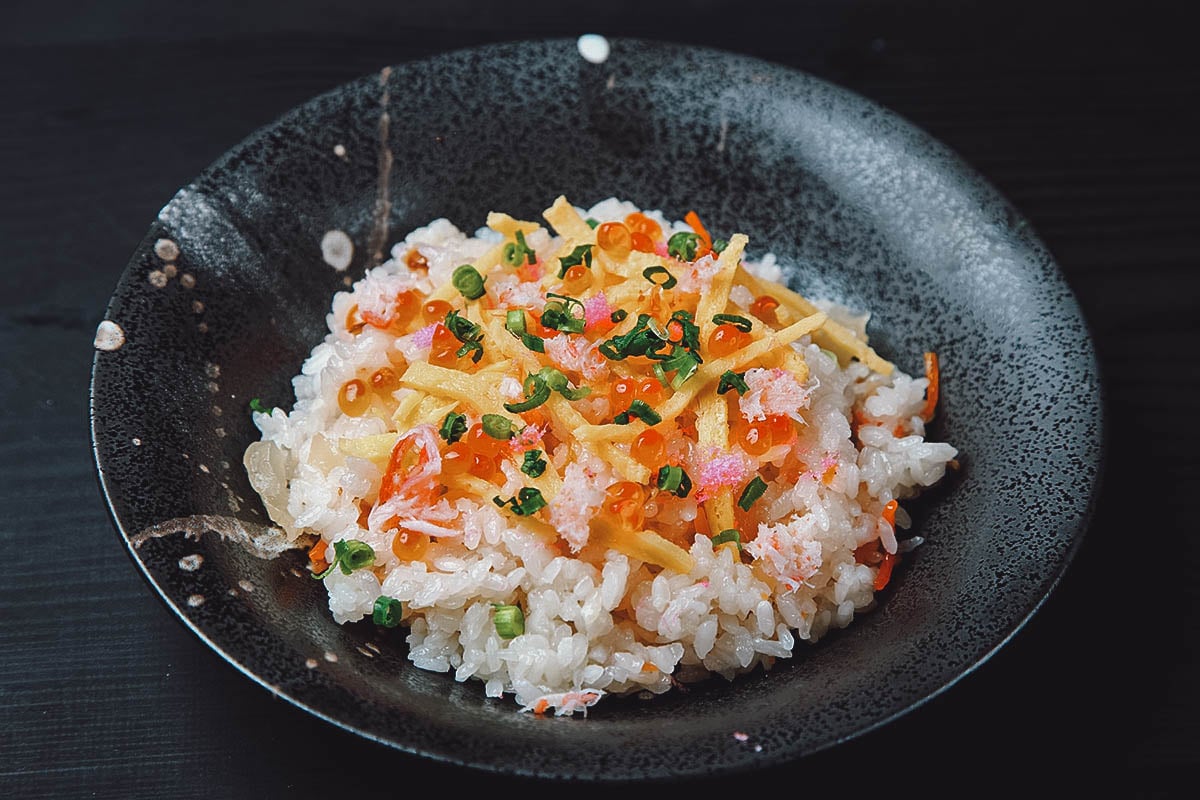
(885, 570)
(889, 512)
(693, 219)
(931, 394)
(316, 555)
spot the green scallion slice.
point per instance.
(592, 222)
(619, 315)
(649, 273)
(683, 245)
(674, 479)
(728, 535)
(468, 281)
(754, 490)
(533, 464)
(453, 427)
(509, 621)
(514, 323)
(639, 409)
(387, 612)
(732, 380)
(741, 323)
(719, 245)
(349, 555)
(518, 252)
(497, 426)
(528, 501)
(257, 405)
(580, 255)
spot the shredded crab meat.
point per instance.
(578, 355)
(773, 392)
(563, 703)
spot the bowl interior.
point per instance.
(228, 292)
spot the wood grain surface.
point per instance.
(1083, 116)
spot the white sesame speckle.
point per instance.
(195, 600)
(246, 585)
(212, 387)
(219, 432)
(365, 652)
(158, 278)
(204, 469)
(109, 336)
(166, 249)
(197, 307)
(187, 280)
(741, 737)
(170, 270)
(594, 48)
(311, 663)
(373, 647)
(212, 370)
(337, 249)
(202, 327)
(233, 592)
(331, 656)
(339, 150)
(191, 563)
(136, 442)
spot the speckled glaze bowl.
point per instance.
(228, 292)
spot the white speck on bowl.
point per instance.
(337, 249)
(593, 47)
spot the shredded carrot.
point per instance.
(885, 570)
(541, 706)
(931, 394)
(648, 667)
(693, 219)
(316, 555)
(889, 512)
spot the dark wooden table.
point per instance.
(1078, 114)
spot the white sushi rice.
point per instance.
(623, 626)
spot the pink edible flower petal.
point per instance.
(529, 437)
(720, 471)
(424, 336)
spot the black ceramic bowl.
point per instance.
(228, 292)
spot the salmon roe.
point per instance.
(615, 239)
(456, 459)
(783, 429)
(436, 310)
(353, 398)
(754, 437)
(384, 380)
(577, 278)
(726, 338)
(416, 261)
(650, 391)
(649, 448)
(626, 501)
(409, 545)
(637, 222)
(641, 242)
(622, 393)
(764, 307)
(478, 441)
(444, 346)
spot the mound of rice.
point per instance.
(609, 623)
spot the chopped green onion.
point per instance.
(387, 611)
(533, 464)
(518, 251)
(257, 405)
(732, 380)
(527, 501)
(557, 316)
(619, 315)
(639, 409)
(683, 363)
(683, 245)
(640, 341)
(514, 323)
(349, 555)
(497, 426)
(592, 222)
(537, 391)
(719, 245)
(674, 479)
(466, 332)
(580, 255)
(557, 381)
(741, 323)
(754, 490)
(728, 535)
(649, 272)
(453, 427)
(468, 281)
(509, 621)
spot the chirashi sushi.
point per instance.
(598, 454)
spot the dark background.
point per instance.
(1083, 114)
